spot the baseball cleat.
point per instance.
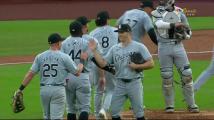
(102, 114)
(194, 109)
(169, 110)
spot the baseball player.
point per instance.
(171, 51)
(106, 37)
(204, 75)
(140, 22)
(78, 89)
(128, 81)
(52, 66)
(84, 21)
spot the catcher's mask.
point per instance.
(168, 4)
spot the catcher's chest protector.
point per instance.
(169, 17)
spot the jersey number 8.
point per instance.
(105, 42)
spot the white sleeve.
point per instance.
(162, 25)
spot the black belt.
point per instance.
(128, 80)
(172, 42)
(51, 84)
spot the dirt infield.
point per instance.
(177, 115)
(161, 115)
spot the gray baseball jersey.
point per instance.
(139, 21)
(78, 88)
(106, 38)
(171, 51)
(53, 67)
(120, 56)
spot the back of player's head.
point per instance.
(83, 20)
(102, 18)
(75, 29)
(146, 3)
(54, 38)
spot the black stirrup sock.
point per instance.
(71, 116)
(83, 116)
(141, 118)
(117, 118)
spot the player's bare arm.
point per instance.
(145, 66)
(100, 61)
(80, 68)
(102, 80)
(28, 77)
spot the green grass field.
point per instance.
(30, 38)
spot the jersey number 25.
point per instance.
(50, 70)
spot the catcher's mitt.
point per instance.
(17, 103)
(181, 32)
(137, 58)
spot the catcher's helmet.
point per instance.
(167, 3)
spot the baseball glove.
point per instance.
(17, 102)
(181, 32)
(137, 58)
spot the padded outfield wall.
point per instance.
(68, 9)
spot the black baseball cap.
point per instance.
(123, 28)
(102, 18)
(75, 27)
(146, 3)
(83, 20)
(54, 38)
(103, 15)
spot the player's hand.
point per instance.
(92, 45)
(133, 65)
(80, 68)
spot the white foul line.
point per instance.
(202, 52)
(15, 63)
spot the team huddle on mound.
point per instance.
(112, 60)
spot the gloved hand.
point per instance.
(17, 102)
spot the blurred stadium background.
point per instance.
(25, 25)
